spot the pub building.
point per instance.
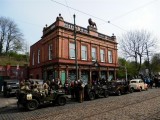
(53, 56)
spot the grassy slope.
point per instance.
(4, 60)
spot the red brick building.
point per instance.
(53, 56)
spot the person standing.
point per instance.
(81, 90)
(66, 87)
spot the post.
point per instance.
(126, 72)
(74, 16)
(149, 71)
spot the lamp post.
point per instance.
(126, 72)
(74, 16)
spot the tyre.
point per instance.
(32, 104)
(131, 90)
(91, 95)
(119, 93)
(140, 89)
(61, 101)
(8, 94)
(106, 94)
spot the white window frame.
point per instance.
(102, 55)
(94, 55)
(50, 57)
(83, 52)
(72, 50)
(33, 58)
(110, 56)
(38, 56)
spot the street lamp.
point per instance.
(74, 16)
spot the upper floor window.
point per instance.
(33, 58)
(72, 50)
(38, 55)
(102, 55)
(50, 51)
(94, 57)
(84, 52)
(110, 56)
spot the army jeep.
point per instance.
(95, 91)
(119, 87)
(32, 100)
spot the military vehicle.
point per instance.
(119, 87)
(32, 99)
(95, 91)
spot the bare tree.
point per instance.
(3, 29)
(11, 37)
(136, 44)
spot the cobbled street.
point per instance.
(143, 105)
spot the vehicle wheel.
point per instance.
(140, 89)
(91, 95)
(131, 90)
(32, 104)
(18, 105)
(119, 93)
(106, 94)
(8, 94)
(61, 101)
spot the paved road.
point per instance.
(136, 106)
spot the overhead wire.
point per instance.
(68, 9)
(88, 14)
(133, 10)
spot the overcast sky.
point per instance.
(124, 15)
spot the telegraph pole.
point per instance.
(148, 61)
(74, 16)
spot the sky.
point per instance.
(124, 15)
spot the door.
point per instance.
(63, 77)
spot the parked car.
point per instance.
(10, 87)
(138, 85)
(91, 92)
(119, 87)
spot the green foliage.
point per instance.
(14, 58)
(155, 63)
(126, 66)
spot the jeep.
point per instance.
(32, 100)
(93, 91)
(119, 87)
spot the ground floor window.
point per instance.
(72, 75)
(85, 76)
(111, 75)
(103, 75)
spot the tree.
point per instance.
(136, 44)
(155, 63)
(11, 39)
(126, 66)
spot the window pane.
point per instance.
(94, 54)
(83, 52)
(102, 55)
(38, 56)
(110, 57)
(72, 50)
(50, 51)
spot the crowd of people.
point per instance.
(73, 88)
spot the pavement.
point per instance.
(5, 102)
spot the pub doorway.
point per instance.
(95, 77)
